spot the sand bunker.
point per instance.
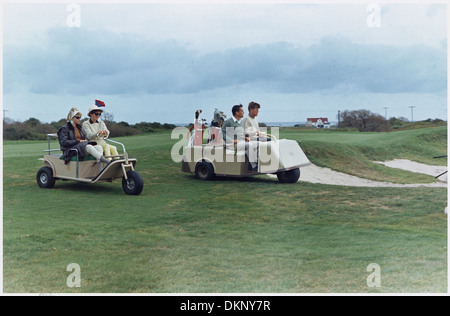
(315, 174)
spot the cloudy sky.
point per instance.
(159, 62)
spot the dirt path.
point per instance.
(315, 174)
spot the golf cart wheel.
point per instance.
(204, 170)
(45, 178)
(134, 184)
(290, 176)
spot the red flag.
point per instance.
(99, 103)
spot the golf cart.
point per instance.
(88, 171)
(216, 158)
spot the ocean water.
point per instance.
(278, 124)
(283, 124)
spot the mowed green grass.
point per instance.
(254, 235)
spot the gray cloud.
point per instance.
(79, 61)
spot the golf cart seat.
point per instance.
(74, 158)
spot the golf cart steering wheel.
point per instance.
(102, 136)
(271, 137)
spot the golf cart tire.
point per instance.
(204, 170)
(290, 176)
(134, 184)
(45, 178)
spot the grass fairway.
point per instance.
(252, 235)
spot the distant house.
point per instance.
(319, 122)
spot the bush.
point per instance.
(364, 121)
(33, 129)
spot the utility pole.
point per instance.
(412, 116)
(385, 111)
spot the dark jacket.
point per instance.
(67, 141)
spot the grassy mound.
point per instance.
(355, 153)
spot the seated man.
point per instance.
(232, 129)
(251, 125)
(233, 134)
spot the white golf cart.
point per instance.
(216, 158)
(88, 171)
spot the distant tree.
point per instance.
(108, 117)
(397, 123)
(124, 124)
(57, 125)
(32, 122)
(121, 129)
(169, 126)
(8, 120)
(364, 121)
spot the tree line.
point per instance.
(367, 121)
(360, 120)
(33, 129)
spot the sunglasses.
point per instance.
(78, 117)
(97, 113)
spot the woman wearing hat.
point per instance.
(71, 136)
(95, 129)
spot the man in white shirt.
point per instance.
(233, 134)
(253, 132)
(251, 124)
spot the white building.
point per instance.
(320, 122)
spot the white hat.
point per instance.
(94, 108)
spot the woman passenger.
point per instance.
(71, 136)
(95, 129)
